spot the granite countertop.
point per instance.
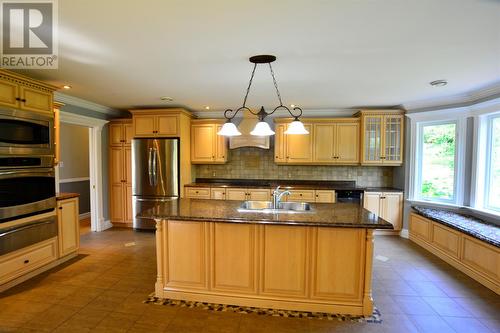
(289, 184)
(470, 225)
(66, 195)
(346, 215)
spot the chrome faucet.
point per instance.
(277, 195)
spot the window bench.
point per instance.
(467, 243)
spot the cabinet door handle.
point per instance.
(60, 208)
(18, 99)
(26, 261)
(276, 157)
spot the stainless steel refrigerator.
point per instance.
(155, 175)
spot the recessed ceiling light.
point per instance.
(67, 87)
(438, 83)
(207, 107)
(166, 98)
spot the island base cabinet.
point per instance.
(302, 268)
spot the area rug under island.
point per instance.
(319, 261)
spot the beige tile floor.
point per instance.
(103, 290)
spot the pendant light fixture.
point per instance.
(262, 128)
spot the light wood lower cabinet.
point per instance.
(23, 261)
(234, 271)
(325, 196)
(284, 261)
(277, 266)
(387, 205)
(198, 192)
(218, 193)
(68, 226)
(478, 259)
(120, 171)
(248, 194)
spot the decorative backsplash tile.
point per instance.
(255, 163)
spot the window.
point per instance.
(436, 169)
(492, 180)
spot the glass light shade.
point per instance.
(262, 129)
(296, 127)
(229, 129)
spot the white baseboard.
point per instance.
(404, 233)
(105, 224)
(84, 216)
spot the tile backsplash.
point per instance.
(256, 163)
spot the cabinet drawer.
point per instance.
(325, 196)
(446, 239)
(420, 227)
(304, 195)
(218, 193)
(259, 194)
(28, 259)
(198, 192)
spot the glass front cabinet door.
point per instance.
(382, 137)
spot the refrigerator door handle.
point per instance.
(150, 166)
(155, 167)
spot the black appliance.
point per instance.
(351, 196)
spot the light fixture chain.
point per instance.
(275, 84)
(249, 85)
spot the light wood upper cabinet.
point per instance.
(167, 125)
(9, 94)
(280, 143)
(21, 92)
(299, 148)
(387, 205)
(347, 143)
(68, 226)
(155, 124)
(292, 149)
(33, 99)
(206, 146)
(120, 132)
(382, 134)
(330, 141)
(324, 150)
(336, 142)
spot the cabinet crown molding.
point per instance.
(162, 111)
(318, 120)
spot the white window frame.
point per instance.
(418, 121)
(482, 161)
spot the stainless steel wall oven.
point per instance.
(26, 192)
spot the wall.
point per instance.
(104, 155)
(256, 163)
(75, 163)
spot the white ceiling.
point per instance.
(331, 53)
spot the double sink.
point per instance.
(267, 207)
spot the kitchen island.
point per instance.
(320, 260)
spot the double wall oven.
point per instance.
(27, 179)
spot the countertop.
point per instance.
(470, 225)
(345, 215)
(66, 195)
(289, 184)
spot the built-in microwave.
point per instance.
(26, 133)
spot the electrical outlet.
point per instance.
(61, 164)
(213, 174)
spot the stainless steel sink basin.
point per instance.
(267, 207)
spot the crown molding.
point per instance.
(75, 101)
(307, 113)
(489, 92)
